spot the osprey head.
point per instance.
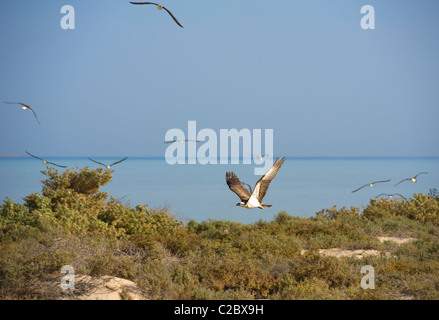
(240, 204)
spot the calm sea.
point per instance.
(302, 187)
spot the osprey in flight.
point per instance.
(412, 179)
(45, 162)
(370, 185)
(26, 107)
(108, 166)
(253, 199)
(160, 7)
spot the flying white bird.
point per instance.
(44, 161)
(251, 200)
(160, 7)
(182, 141)
(390, 195)
(260, 157)
(108, 166)
(370, 185)
(412, 179)
(26, 107)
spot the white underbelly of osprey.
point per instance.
(253, 203)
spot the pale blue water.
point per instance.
(302, 187)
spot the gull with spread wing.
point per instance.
(44, 161)
(370, 185)
(26, 107)
(182, 141)
(160, 7)
(412, 179)
(108, 166)
(390, 195)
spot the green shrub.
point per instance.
(72, 201)
(423, 208)
(335, 213)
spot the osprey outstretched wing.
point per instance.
(254, 199)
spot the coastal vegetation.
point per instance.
(71, 222)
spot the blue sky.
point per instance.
(306, 69)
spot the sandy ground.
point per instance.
(395, 239)
(104, 288)
(361, 253)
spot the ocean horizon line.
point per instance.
(18, 156)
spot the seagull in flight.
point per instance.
(26, 107)
(182, 141)
(260, 157)
(370, 185)
(44, 161)
(110, 165)
(390, 195)
(160, 7)
(412, 179)
(251, 200)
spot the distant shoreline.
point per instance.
(11, 155)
